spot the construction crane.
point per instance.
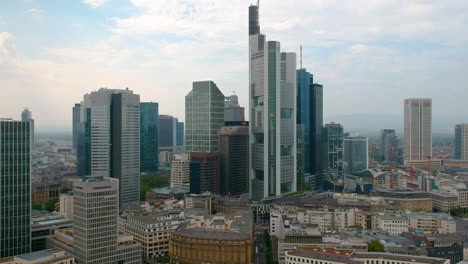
(412, 166)
(391, 159)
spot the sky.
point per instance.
(368, 54)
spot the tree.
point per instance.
(375, 246)
(149, 182)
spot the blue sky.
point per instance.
(369, 54)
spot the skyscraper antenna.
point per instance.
(258, 3)
(301, 56)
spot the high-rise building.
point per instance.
(180, 133)
(310, 119)
(180, 172)
(26, 116)
(205, 172)
(149, 149)
(76, 125)
(167, 131)
(204, 117)
(333, 140)
(109, 139)
(234, 148)
(461, 142)
(389, 145)
(15, 187)
(356, 154)
(95, 237)
(418, 129)
(233, 112)
(272, 134)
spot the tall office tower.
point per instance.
(234, 148)
(389, 145)
(149, 149)
(233, 112)
(205, 172)
(76, 125)
(461, 142)
(26, 116)
(180, 133)
(167, 131)
(95, 216)
(333, 136)
(204, 117)
(180, 172)
(418, 129)
(15, 188)
(272, 134)
(356, 154)
(316, 141)
(109, 139)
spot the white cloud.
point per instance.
(94, 3)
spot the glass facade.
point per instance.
(334, 151)
(355, 154)
(15, 189)
(204, 117)
(149, 149)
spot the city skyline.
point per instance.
(120, 44)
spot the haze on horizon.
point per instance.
(369, 55)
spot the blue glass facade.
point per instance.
(149, 148)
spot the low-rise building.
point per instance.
(444, 201)
(393, 224)
(49, 256)
(43, 191)
(165, 193)
(45, 225)
(408, 199)
(66, 205)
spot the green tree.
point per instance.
(375, 246)
(149, 182)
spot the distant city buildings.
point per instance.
(461, 142)
(389, 145)
(15, 187)
(418, 129)
(234, 149)
(149, 147)
(333, 146)
(109, 139)
(355, 154)
(272, 135)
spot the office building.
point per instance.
(461, 142)
(356, 154)
(180, 133)
(272, 134)
(76, 125)
(233, 112)
(95, 236)
(234, 149)
(333, 150)
(205, 172)
(180, 172)
(389, 145)
(109, 139)
(167, 132)
(26, 116)
(149, 148)
(49, 256)
(418, 129)
(15, 187)
(204, 117)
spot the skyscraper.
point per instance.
(333, 136)
(180, 171)
(149, 149)
(204, 117)
(76, 125)
(26, 116)
(234, 148)
(180, 133)
(461, 142)
(109, 139)
(272, 134)
(356, 154)
(310, 119)
(95, 236)
(233, 112)
(167, 131)
(389, 145)
(15, 188)
(418, 129)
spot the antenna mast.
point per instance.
(301, 56)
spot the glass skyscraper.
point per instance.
(76, 125)
(15, 189)
(461, 142)
(418, 129)
(333, 135)
(149, 149)
(272, 134)
(356, 154)
(389, 145)
(26, 116)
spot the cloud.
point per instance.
(94, 3)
